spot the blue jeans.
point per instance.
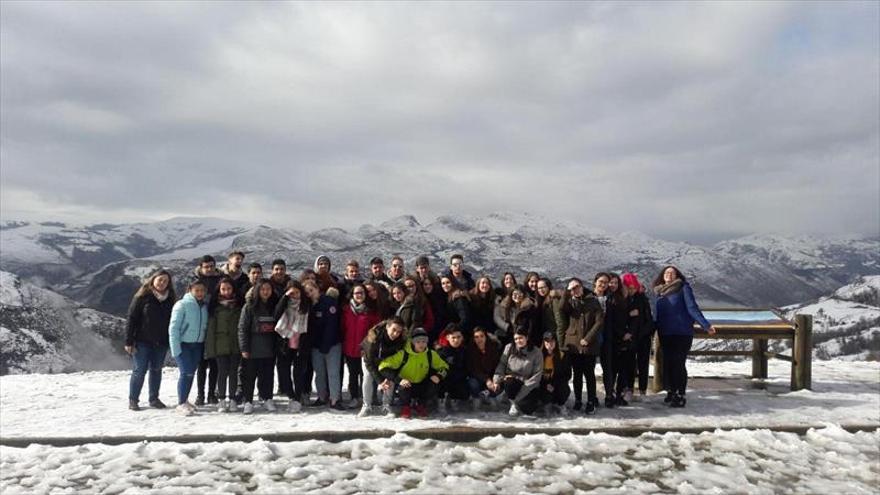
(327, 369)
(146, 357)
(187, 363)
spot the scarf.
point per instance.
(227, 303)
(161, 296)
(357, 308)
(670, 288)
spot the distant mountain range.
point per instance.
(100, 266)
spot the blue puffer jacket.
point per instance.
(189, 323)
(677, 312)
(324, 324)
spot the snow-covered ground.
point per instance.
(829, 460)
(94, 404)
(736, 460)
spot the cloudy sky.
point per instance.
(682, 120)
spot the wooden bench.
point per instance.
(759, 326)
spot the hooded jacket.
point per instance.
(188, 323)
(222, 336)
(378, 346)
(407, 364)
(580, 319)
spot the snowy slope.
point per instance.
(41, 331)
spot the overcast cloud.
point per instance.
(680, 120)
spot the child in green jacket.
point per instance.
(417, 371)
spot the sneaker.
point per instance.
(318, 403)
(387, 412)
(513, 410)
(353, 403)
(577, 405)
(338, 406)
(628, 395)
(183, 410)
(269, 405)
(212, 399)
(190, 405)
(643, 393)
(365, 411)
(133, 405)
(609, 402)
(620, 401)
(422, 411)
(294, 406)
(200, 400)
(590, 409)
(232, 406)
(222, 407)
(157, 404)
(248, 408)
(668, 398)
(405, 412)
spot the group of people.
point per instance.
(411, 343)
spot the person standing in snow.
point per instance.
(292, 313)
(676, 313)
(146, 338)
(359, 315)
(186, 338)
(208, 274)
(221, 342)
(326, 340)
(519, 374)
(579, 330)
(620, 353)
(257, 340)
(640, 324)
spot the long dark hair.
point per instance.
(659, 279)
(215, 297)
(147, 286)
(256, 301)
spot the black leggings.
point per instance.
(625, 367)
(675, 351)
(643, 357)
(209, 366)
(583, 366)
(260, 371)
(355, 376)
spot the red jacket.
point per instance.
(354, 329)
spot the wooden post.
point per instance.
(657, 381)
(759, 358)
(802, 353)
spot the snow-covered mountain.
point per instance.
(846, 323)
(101, 265)
(41, 331)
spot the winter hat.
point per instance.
(631, 280)
(320, 259)
(419, 333)
(549, 336)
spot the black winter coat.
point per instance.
(148, 320)
(256, 330)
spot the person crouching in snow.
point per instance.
(554, 382)
(417, 371)
(519, 373)
(455, 386)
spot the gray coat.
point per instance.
(526, 364)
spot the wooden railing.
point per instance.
(800, 332)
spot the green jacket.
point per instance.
(222, 338)
(406, 364)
